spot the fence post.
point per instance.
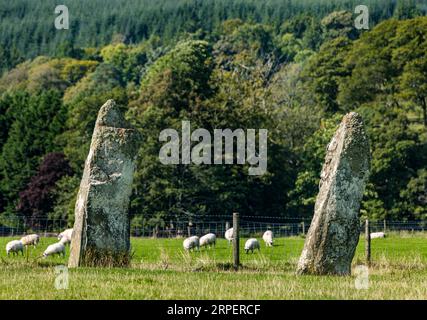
(368, 242)
(303, 227)
(385, 226)
(236, 241)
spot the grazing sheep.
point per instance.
(14, 246)
(375, 235)
(229, 235)
(191, 243)
(251, 245)
(268, 238)
(30, 240)
(208, 240)
(66, 236)
(56, 248)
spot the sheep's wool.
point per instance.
(101, 230)
(334, 232)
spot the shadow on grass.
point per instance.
(33, 262)
(249, 267)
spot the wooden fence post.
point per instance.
(236, 241)
(368, 242)
(385, 226)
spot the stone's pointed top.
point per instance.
(111, 115)
(352, 118)
(352, 115)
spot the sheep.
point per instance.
(375, 235)
(191, 243)
(14, 246)
(268, 238)
(229, 235)
(66, 236)
(251, 245)
(56, 248)
(30, 240)
(208, 240)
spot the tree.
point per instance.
(413, 85)
(370, 72)
(324, 72)
(68, 49)
(64, 194)
(339, 24)
(415, 196)
(130, 60)
(406, 9)
(170, 91)
(37, 200)
(246, 44)
(183, 74)
(83, 101)
(313, 36)
(32, 134)
(187, 87)
(77, 69)
(303, 194)
(9, 58)
(290, 46)
(397, 154)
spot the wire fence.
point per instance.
(249, 226)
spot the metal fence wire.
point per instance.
(249, 226)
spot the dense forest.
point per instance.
(292, 67)
(27, 28)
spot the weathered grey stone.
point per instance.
(334, 232)
(101, 233)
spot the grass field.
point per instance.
(162, 270)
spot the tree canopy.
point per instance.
(247, 65)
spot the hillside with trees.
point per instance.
(292, 67)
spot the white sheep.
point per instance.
(30, 240)
(66, 236)
(268, 238)
(208, 240)
(14, 246)
(56, 248)
(375, 235)
(251, 245)
(229, 235)
(191, 243)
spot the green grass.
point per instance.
(162, 270)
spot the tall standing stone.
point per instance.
(101, 235)
(334, 232)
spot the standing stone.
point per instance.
(334, 232)
(101, 235)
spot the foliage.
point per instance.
(65, 195)
(36, 200)
(27, 26)
(37, 121)
(294, 68)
